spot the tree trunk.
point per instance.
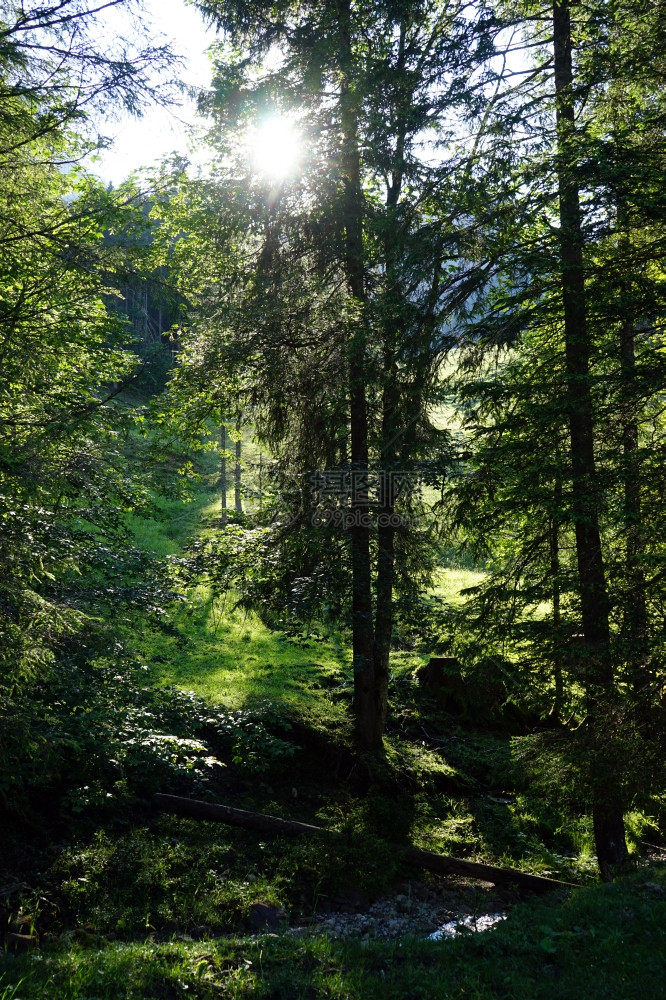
(635, 617)
(369, 727)
(597, 668)
(557, 617)
(385, 582)
(390, 409)
(261, 480)
(223, 472)
(238, 504)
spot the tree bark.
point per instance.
(557, 616)
(223, 472)
(635, 619)
(597, 670)
(369, 728)
(385, 583)
(390, 431)
(238, 503)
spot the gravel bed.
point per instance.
(414, 910)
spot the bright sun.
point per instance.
(275, 147)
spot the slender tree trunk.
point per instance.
(261, 480)
(597, 666)
(557, 616)
(223, 472)
(635, 619)
(369, 728)
(390, 409)
(238, 504)
(385, 556)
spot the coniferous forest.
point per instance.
(332, 490)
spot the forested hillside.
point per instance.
(332, 487)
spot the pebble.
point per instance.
(419, 913)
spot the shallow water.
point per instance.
(465, 924)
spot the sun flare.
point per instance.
(275, 147)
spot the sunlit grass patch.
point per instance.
(454, 835)
(173, 522)
(229, 656)
(450, 583)
(640, 828)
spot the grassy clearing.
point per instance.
(451, 582)
(173, 521)
(443, 793)
(230, 657)
(224, 655)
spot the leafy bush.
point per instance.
(96, 732)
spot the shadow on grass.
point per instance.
(233, 659)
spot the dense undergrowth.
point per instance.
(602, 942)
(206, 701)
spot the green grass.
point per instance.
(230, 657)
(602, 943)
(450, 582)
(172, 522)
(224, 655)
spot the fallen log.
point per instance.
(439, 863)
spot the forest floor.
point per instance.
(114, 901)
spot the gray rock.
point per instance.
(265, 916)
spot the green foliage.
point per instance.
(9, 992)
(559, 388)
(54, 71)
(99, 735)
(65, 482)
(249, 735)
(605, 942)
(324, 304)
(289, 580)
(166, 879)
(105, 735)
(289, 316)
